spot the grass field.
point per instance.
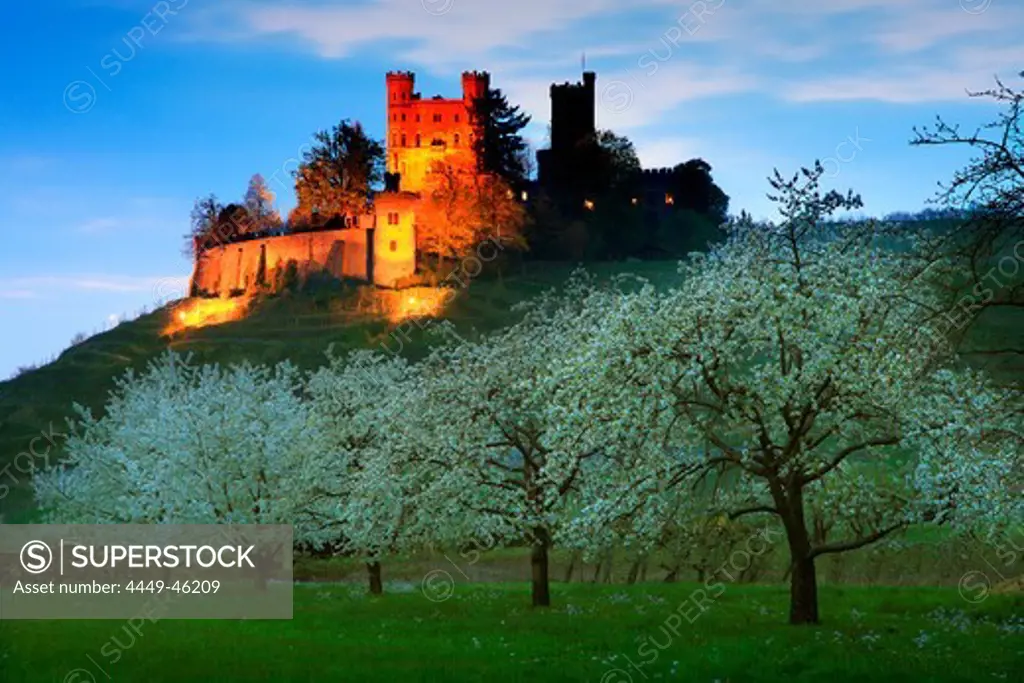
(487, 632)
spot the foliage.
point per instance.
(464, 208)
(203, 225)
(188, 444)
(338, 174)
(259, 202)
(499, 145)
(801, 363)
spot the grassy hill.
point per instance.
(297, 326)
(300, 326)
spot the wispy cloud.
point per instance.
(50, 285)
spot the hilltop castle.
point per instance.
(380, 246)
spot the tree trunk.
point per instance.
(376, 585)
(572, 566)
(539, 566)
(803, 580)
(803, 593)
(606, 570)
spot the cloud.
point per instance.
(32, 286)
(17, 294)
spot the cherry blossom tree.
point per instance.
(806, 371)
(504, 436)
(365, 503)
(188, 444)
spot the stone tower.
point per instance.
(422, 131)
(573, 120)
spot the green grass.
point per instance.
(593, 633)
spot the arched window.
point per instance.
(456, 140)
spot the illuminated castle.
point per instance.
(421, 132)
(379, 246)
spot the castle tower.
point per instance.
(423, 131)
(573, 120)
(573, 116)
(474, 85)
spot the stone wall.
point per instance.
(243, 267)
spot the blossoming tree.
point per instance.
(808, 377)
(504, 436)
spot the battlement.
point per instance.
(476, 74)
(401, 75)
(663, 172)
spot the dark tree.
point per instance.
(202, 225)
(337, 176)
(989, 196)
(499, 145)
(693, 188)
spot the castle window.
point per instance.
(456, 140)
(669, 199)
(403, 117)
(633, 201)
(417, 118)
(588, 205)
(394, 117)
(417, 138)
(457, 118)
(525, 195)
(437, 118)
(403, 140)
(394, 245)
(394, 140)
(392, 218)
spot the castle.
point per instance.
(380, 246)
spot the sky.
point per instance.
(117, 114)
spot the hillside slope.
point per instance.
(298, 327)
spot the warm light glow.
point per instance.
(525, 196)
(414, 302)
(193, 313)
(669, 199)
(634, 201)
(589, 205)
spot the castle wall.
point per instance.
(242, 266)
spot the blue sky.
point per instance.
(118, 113)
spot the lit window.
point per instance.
(524, 196)
(588, 205)
(669, 199)
(394, 245)
(634, 201)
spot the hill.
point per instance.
(300, 326)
